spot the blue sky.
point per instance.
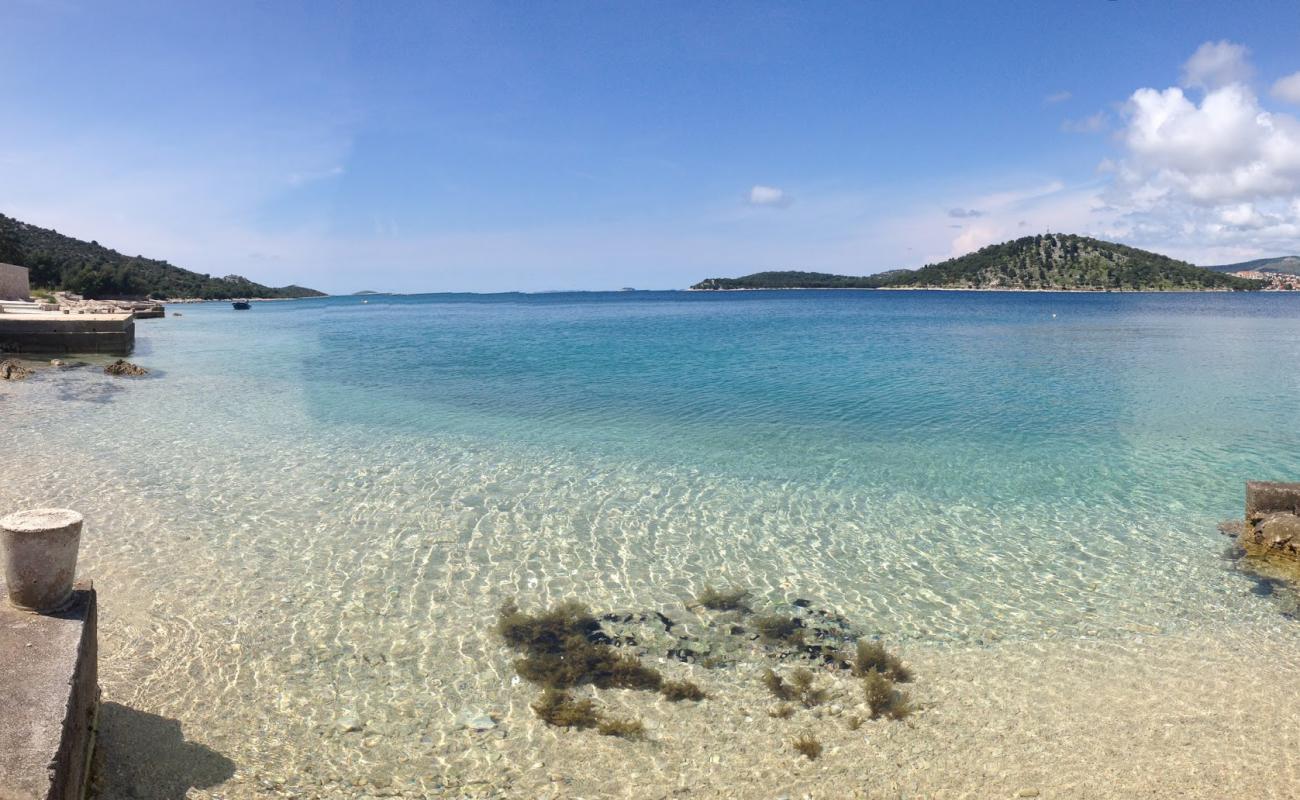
(498, 146)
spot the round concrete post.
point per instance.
(40, 557)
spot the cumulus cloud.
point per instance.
(1225, 149)
(1057, 97)
(1093, 123)
(761, 195)
(1288, 89)
(1218, 171)
(1216, 64)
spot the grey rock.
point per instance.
(476, 720)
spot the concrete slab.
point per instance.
(1268, 497)
(55, 332)
(49, 695)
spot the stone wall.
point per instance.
(13, 283)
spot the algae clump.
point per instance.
(873, 657)
(677, 691)
(807, 746)
(558, 708)
(564, 647)
(779, 629)
(883, 698)
(732, 599)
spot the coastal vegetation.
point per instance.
(732, 599)
(801, 687)
(781, 711)
(1045, 261)
(566, 647)
(58, 262)
(563, 647)
(807, 745)
(676, 691)
(872, 657)
(559, 708)
(884, 698)
(779, 629)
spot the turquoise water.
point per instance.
(971, 463)
(315, 507)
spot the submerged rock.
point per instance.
(13, 371)
(124, 368)
(1272, 525)
(476, 720)
(1279, 530)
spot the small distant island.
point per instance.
(58, 262)
(1043, 262)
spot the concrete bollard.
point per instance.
(40, 557)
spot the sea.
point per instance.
(305, 518)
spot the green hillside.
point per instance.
(56, 261)
(1049, 261)
(1287, 265)
(789, 280)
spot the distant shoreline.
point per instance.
(193, 300)
(977, 289)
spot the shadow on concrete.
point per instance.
(142, 755)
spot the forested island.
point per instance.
(1046, 261)
(55, 261)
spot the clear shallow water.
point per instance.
(963, 459)
(314, 508)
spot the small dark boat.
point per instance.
(241, 305)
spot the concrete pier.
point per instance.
(54, 332)
(49, 691)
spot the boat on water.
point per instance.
(241, 305)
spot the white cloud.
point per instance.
(768, 196)
(1226, 149)
(1288, 89)
(1213, 177)
(1093, 123)
(1057, 97)
(1216, 64)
